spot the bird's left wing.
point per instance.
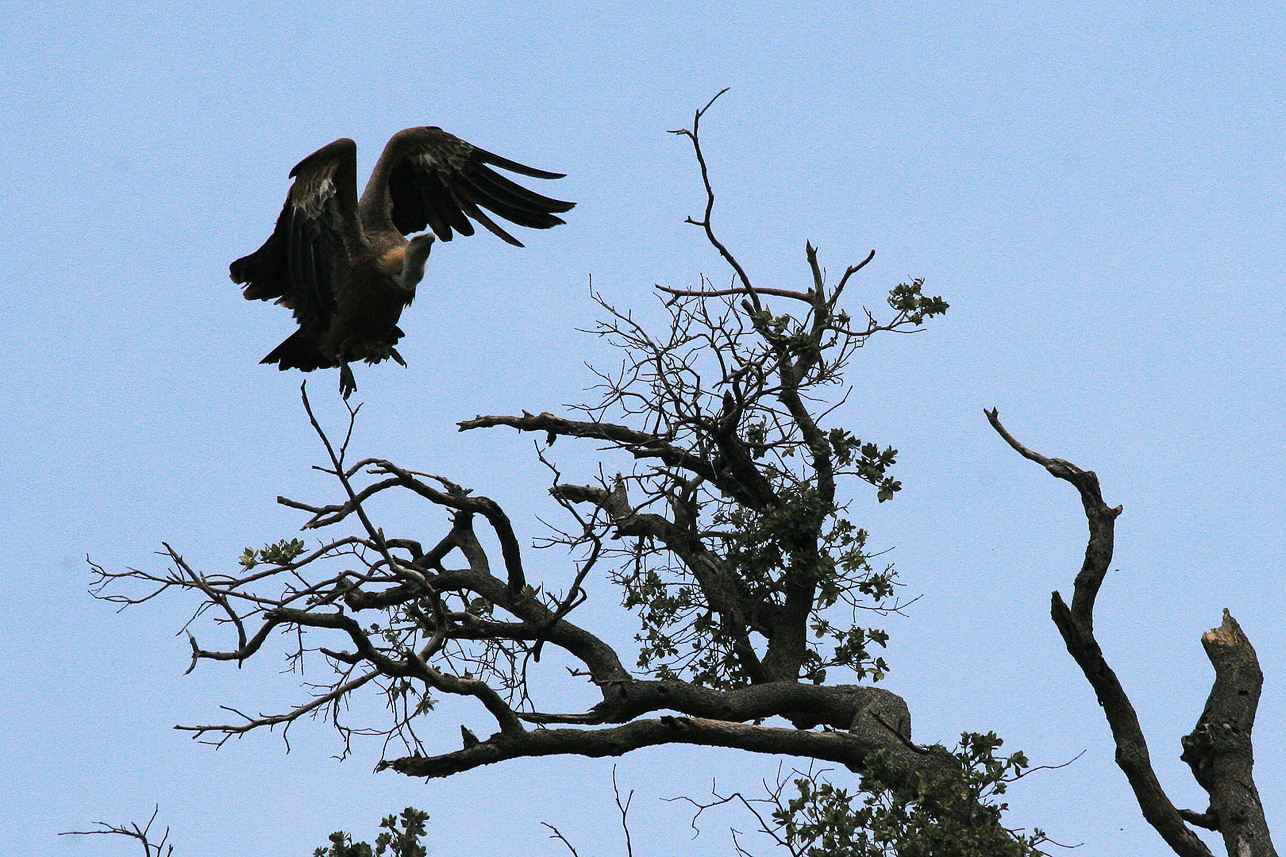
(429, 178)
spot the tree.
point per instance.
(719, 510)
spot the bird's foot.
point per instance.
(347, 383)
(392, 352)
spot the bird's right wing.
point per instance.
(317, 235)
(429, 178)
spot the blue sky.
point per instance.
(1097, 190)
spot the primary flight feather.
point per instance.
(345, 265)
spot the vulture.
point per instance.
(345, 266)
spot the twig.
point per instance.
(693, 134)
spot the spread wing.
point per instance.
(429, 178)
(316, 236)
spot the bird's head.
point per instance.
(417, 252)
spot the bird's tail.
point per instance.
(297, 352)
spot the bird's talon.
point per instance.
(347, 383)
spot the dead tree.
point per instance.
(1219, 747)
(719, 512)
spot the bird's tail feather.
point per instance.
(297, 352)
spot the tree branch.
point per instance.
(637, 443)
(1077, 628)
(693, 134)
(133, 831)
(841, 747)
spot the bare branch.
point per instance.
(624, 809)
(376, 536)
(268, 721)
(557, 834)
(1076, 627)
(1101, 517)
(133, 831)
(639, 444)
(457, 498)
(693, 134)
(739, 292)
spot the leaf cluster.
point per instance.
(896, 812)
(281, 554)
(401, 838)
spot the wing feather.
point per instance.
(500, 195)
(444, 203)
(434, 205)
(515, 167)
(477, 214)
(427, 178)
(519, 195)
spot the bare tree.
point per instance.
(1219, 747)
(720, 514)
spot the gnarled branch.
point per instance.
(1218, 749)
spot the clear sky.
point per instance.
(1096, 188)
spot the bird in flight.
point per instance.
(344, 265)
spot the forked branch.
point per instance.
(1218, 749)
(160, 848)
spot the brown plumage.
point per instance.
(345, 266)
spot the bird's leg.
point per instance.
(392, 352)
(347, 383)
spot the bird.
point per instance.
(346, 267)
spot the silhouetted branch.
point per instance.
(1219, 749)
(705, 223)
(132, 831)
(849, 749)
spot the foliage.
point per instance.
(280, 554)
(901, 815)
(395, 842)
